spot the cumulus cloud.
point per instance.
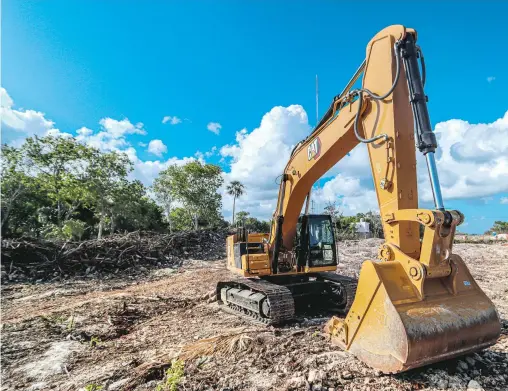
(504, 200)
(472, 159)
(147, 170)
(157, 147)
(348, 193)
(84, 131)
(172, 120)
(112, 135)
(18, 124)
(472, 162)
(121, 128)
(214, 127)
(490, 79)
(258, 157)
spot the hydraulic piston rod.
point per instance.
(425, 137)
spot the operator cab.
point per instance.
(315, 241)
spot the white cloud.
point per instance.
(20, 124)
(211, 152)
(5, 99)
(173, 120)
(144, 170)
(84, 131)
(157, 147)
(490, 79)
(112, 136)
(472, 162)
(214, 127)
(351, 197)
(147, 170)
(201, 156)
(121, 128)
(472, 159)
(504, 200)
(259, 157)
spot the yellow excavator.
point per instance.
(418, 303)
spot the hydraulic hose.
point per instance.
(360, 92)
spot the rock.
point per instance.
(297, 381)
(117, 385)
(442, 384)
(473, 385)
(462, 366)
(315, 376)
(38, 386)
(367, 380)
(317, 387)
(471, 361)
(346, 375)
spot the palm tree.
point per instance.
(235, 189)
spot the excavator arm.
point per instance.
(389, 124)
(419, 304)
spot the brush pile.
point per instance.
(30, 259)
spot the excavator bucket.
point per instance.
(391, 327)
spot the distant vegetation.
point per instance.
(499, 227)
(58, 188)
(55, 187)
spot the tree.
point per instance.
(59, 188)
(182, 219)
(252, 223)
(131, 209)
(195, 185)
(241, 216)
(499, 227)
(235, 189)
(59, 165)
(19, 194)
(106, 173)
(162, 188)
(375, 224)
(13, 180)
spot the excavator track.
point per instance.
(276, 300)
(268, 303)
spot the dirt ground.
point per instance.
(121, 334)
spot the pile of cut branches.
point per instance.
(39, 260)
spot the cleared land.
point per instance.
(122, 332)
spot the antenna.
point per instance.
(317, 101)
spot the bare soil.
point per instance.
(122, 333)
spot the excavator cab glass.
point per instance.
(315, 241)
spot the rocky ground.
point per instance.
(122, 333)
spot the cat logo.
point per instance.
(314, 149)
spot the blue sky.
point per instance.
(232, 62)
